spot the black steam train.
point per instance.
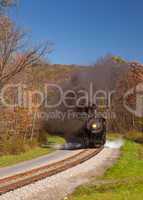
(93, 132)
(86, 129)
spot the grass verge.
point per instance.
(113, 136)
(8, 160)
(55, 140)
(123, 181)
(36, 152)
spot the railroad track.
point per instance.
(14, 182)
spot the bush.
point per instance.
(135, 136)
(43, 138)
(15, 145)
(12, 146)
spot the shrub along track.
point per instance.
(26, 178)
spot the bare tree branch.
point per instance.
(14, 57)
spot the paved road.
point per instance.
(38, 162)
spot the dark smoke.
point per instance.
(102, 75)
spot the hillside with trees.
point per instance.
(23, 64)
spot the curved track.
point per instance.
(22, 179)
(41, 161)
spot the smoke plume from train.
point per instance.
(101, 76)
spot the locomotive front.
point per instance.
(94, 132)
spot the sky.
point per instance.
(82, 31)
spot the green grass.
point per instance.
(113, 136)
(9, 160)
(130, 164)
(55, 140)
(31, 154)
(124, 181)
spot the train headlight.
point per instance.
(94, 126)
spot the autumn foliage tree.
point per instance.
(128, 121)
(17, 125)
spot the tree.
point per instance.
(19, 126)
(126, 120)
(14, 56)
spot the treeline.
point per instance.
(20, 129)
(127, 101)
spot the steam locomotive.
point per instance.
(93, 132)
(83, 131)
